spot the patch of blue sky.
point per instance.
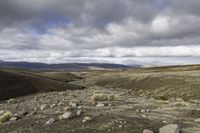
(162, 4)
(48, 22)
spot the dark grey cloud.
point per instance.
(55, 30)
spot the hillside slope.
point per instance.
(16, 82)
(165, 82)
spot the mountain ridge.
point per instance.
(63, 66)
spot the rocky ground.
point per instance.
(98, 109)
(103, 108)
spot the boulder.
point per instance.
(171, 128)
(67, 115)
(147, 131)
(50, 121)
(100, 105)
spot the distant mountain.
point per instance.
(64, 66)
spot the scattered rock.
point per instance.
(164, 121)
(158, 108)
(60, 104)
(67, 108)
(86, 119)
(67, 115)
(109, 105)
(171, 128)
(98, 97)
(100, 105)
(180, 102)
(53, 105)
(42, 107)
(50, 121)
(13, 118)
(147, 131)
(144, 116)
(195, 101)
(120, 126)
(73, 104)
(142, 110)
(112, 97)
(79, 112)
(1, 112)
(33, 113)
(197, 120)
(147, 110)
(23, 113)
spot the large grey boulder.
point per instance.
(171, 128)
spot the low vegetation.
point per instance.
(5, 117)
(154, 100)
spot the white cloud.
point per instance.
(52, 31)
(161, 24)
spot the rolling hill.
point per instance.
(20, 82)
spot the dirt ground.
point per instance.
(132, 109)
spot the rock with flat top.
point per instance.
(147, 131)
(67, 115)
(100, 105)
(171, 128)
(50, 121)
(86, 119)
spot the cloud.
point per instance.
(50, 30)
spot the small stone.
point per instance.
(58, 111)
(53, 105)
(42, 107)
(1, 112)
(73, 104)
(13, 118)
(86, 119)
(60, 104)
(35, 108)
(50, 121)
(120, 126)
(79, 112)
(67, 115)
(32, 113)
(147, 110)
(144, 116)
(197, 120)
(147, 131)
(67, 108)
(164, 121)
(109, 105)
(171, 128)
(100, 105)
(23, 113)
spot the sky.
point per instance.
(148, 32)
